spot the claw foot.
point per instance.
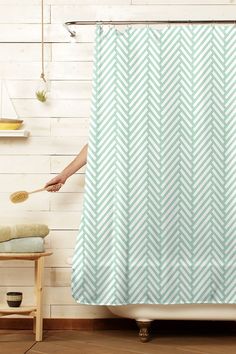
(144, 330)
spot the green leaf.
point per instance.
(41, 95)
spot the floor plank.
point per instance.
(165, 339)
(17, 342)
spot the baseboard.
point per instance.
(120, 324)
(69, 323)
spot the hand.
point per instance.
(55, 184)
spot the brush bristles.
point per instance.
(19, 197)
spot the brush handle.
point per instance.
(38, 190)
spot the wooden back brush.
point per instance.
(21, 196)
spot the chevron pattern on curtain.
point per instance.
(158, 224)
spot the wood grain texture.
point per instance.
(27, 13)
(142, 12)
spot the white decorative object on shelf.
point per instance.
(8, 112)
(18, 133)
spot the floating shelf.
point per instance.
(21, 133)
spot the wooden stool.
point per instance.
(35, 311)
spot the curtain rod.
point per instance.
(109, 22)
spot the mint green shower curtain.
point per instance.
(159, 210)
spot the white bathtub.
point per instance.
(145, 314)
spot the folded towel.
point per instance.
(23, 230)
(23, 245)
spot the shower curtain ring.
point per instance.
(100, 23)
(128, 26)
(112, 25)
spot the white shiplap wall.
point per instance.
(59, 128)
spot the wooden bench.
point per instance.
(35, 311)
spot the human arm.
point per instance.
(57, 182)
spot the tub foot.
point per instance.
(144, 330)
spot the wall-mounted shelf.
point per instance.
(21, 133)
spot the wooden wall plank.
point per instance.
(58, 277)
(59, 162)
(36, 164)
(23, 13)
(72, 51)
(70, 70)
(53, 33)
(58, 295)
(36, 127)
(54, 71)
(10, 276)
(61, 258)
(66, 201)
(80, 311)
(69, 127)
(183, 2)
(58, 89)
(56, 220)
(62, 239)
(52, 108)
(48, 146)
(53, 277)
(24, 164)
(68, 2)
(22, 181)
(142, 12)
(29, 52)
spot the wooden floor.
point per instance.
(195, 339)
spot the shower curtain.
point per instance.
(159, 209)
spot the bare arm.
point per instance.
(76, 164)
(56, 183)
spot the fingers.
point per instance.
(49, 185)
(54, 187)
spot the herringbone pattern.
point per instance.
(159, 213)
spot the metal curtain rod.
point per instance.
(84, 22)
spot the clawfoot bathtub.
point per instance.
(145, 314)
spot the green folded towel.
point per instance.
(23, 230)
(23, 245)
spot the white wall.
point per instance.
(59, 128)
